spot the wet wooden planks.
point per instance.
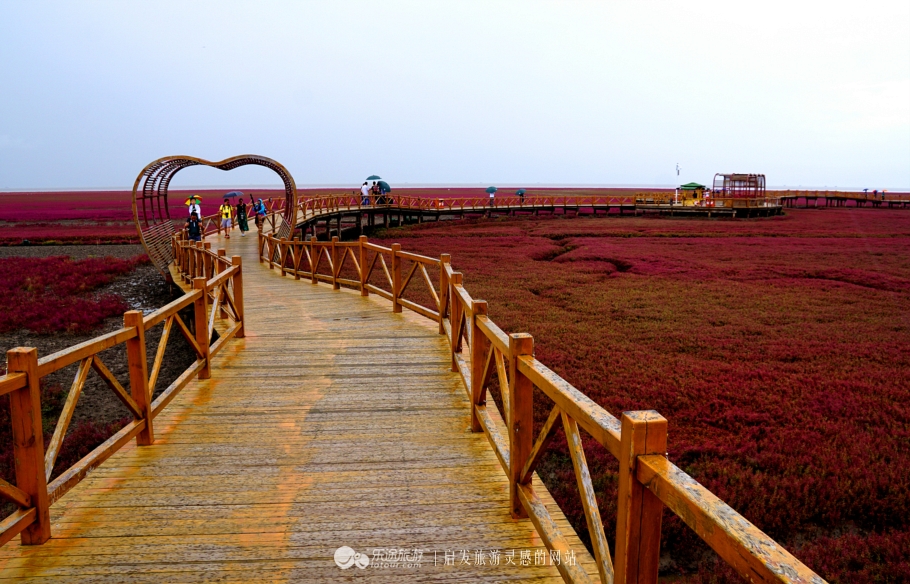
(333, 423)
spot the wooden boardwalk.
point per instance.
(333, 423)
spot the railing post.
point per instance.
(237, 284)
(198, 263)
(363, 266)
(639, 511)
(200, 308)
(222, 308)
(139, 378)
(207, 261)
(188, 262)
(335, 267)
(455, 310)
(521, 418)
(444, 260)
(479, 347)
(314, 259)
(282, 254)
(298, 256)
(28, 442)
(396, 277)
(259, 242)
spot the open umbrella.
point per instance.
(374, 177)
(384, 187)
(520, 192)
(194, 198)
(234, 194)
(492, 190)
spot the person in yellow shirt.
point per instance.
(227, 211)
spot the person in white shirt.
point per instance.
(364, 194)
(194, 208)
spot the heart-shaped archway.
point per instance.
(152, 214)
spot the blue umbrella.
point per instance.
(234, 194)
(520, 192)
(384, 187)
(491, 189)
(374, 177)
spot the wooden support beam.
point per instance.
(63, 422)
(362, 252)
(396, 277)
(444, 260)
(28, 442)
(639, 511)
(521, 418)
(336, 265)
(138, 367)
(237, 285)
(588, 500)
(200, 308)
(479, 347)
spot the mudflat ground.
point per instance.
(143, 289)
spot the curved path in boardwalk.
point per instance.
(333, 423)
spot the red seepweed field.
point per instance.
(106, 216)
(778, 349)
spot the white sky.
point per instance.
(519, 93)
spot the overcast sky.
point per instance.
(507, 93)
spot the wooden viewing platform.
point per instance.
(321, 419)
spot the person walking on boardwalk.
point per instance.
(227, 213)
(260, 214)
(193, 227)
(241, 218)
(364, 194)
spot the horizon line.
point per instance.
(345, 186)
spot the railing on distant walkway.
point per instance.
(840, 198)
(310, 208)
(216, 279)
(325, 204)
(480, 352)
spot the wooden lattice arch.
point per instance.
(150, 205)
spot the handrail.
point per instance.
(310, 208)
(481, 352)
(214, 276)
(316, 206)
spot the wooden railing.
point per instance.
(482, 352)
(331, 203)
(850, 195)
(217, 294)
(327, 204)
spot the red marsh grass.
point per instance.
(779, 351)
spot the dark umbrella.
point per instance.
(491, 189)
(520, 192)
(234, 194)
(374, 177)
(384, 187)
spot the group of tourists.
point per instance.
(374, 194)
(228, 213)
